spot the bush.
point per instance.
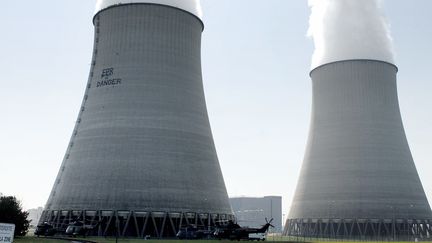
(11, 212)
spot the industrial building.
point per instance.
(358, 178)
(141, 160)
(34, 215)
(253, 211)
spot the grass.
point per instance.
(32, 239)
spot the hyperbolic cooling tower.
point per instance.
(141, 160)
(358, 177)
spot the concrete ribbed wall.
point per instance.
(143, 140)
(358, 164)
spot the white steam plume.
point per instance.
(349, 29)
(192, 6)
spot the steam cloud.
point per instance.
(192, 6)
(349, 29)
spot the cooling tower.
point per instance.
(358, 178)
(141, 160)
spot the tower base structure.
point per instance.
(363, 229)
(132, 223)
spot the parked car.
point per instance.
(193, 233)
(45, 229)
(257, 236)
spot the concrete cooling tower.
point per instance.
(358, 178)
(141, 160)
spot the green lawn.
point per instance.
(279, 239)
(111, 240)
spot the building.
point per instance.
(34, 215)
(253, 211)
(358, 178)
(141, 160)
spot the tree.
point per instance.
(11, 212)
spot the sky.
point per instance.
(192, 6)
(256, 61)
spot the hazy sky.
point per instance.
(256, 59)
(192, 6)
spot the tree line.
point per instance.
(11, 212)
